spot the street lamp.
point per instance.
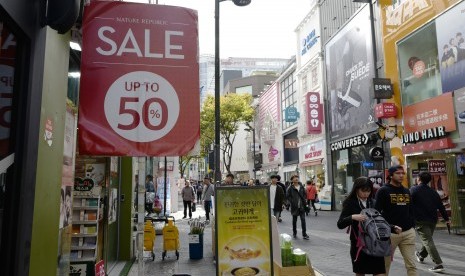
(217, 83)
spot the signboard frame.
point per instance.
(244, 230)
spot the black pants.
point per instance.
(312, 201)
(199, 197)
(187, 204)
(207, 205)
(302, 221)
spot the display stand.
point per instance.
(85, 229)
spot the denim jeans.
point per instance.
(425, 231)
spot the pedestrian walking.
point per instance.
(296, 197)
(208, 192)
(188, 196)
(278, 177)
(426, 202)
(229, 180)
(150, 192)
(276, 197)
(199, 191)
(312, 194)
(393, 201)
(359, 198)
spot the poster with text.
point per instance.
(161, 187)
(450, 31)
(439, 182)
(350, 71)
(243, 231)
(139, 93)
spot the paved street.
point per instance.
(328, 249)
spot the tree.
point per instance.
(183, 162)
(235, 110)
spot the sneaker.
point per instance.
(306, 237)
(183, 217)
(437, 268)
(280, 220)
(295, 236)
(419, 257)
(316, 214)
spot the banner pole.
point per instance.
(140, 215)
(165, 176)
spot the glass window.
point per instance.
(419, 66)
(288, 98)
(244, 90)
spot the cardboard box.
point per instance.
(293, 270)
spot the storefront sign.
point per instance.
(426, 134)
(437, 166)
(291, 143)
(83, 185)
(355, 141)
(314, 113)
(382, 88)
(243, 230)
(385, 110)
(309, 41)
(272, 152)
(377, 153)
(139, 80)
(444, 143)
(434, 112)
(291, 114)
(313, 151)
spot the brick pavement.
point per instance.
(328, 250)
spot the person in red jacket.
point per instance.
(312, 194)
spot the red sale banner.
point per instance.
(139, 81)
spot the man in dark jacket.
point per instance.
(426, 202)
(394, 202)
(278, 177)
(296, 196)
(276, 197)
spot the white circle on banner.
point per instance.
(141, 106)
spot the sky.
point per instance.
(263, 29)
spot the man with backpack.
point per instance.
(393, 201)
(426, 202)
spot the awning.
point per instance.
(311, 162)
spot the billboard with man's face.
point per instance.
(350, 70)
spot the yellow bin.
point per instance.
(170, 238)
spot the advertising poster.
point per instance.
(459, 102)
(350, 72)
(243, 231)
(460, 164)
(161, 194)
(439, 182)
(451, 48)
(139, 93)
(113, 205)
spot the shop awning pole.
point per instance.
(165, 176)
(140, 215)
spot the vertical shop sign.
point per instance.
(350, 71)
(244, 231)
(314, 113)
(140, 80)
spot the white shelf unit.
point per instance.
(84, 237)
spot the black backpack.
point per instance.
(374, 237)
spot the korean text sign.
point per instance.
(140, 80)
(243, 230)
